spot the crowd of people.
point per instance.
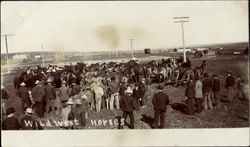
(71, 91)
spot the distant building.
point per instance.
(182, 50)
(37, 56)
(21, 56)
(147, 51)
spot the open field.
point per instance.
(226, 115)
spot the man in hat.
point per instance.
(98, 96)
(190, 96)
(144, 87)
(75, 89)
(50, 96)
(207, 89)
(78, 114)
(11, 122)
(113, 88)
(28, 122)
(240, 88)
(127, 106)
(65, 114)
(160, 102)
(198, 93)
(63, 93)
(23, 93)
(216, 90)
(38, 95)
(229, 86)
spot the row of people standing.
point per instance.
(206, 90)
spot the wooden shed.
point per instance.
(147, 51)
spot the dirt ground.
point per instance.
(223, 116)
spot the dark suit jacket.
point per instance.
(10, 123)
(38, 93)
(160, 101)
(50, 92)
(230, 81)
(216, 85)
(127, 103)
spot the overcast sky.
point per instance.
(98, 26)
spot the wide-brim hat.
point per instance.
(229, 71)
(84, 97)
(37, 82)
(129, 90)
(78, 102)
(160, 87)
(22, 84)
(70, 102)
(29, 110)
(49, 80)
(63, 82)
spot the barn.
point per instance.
(147, 51)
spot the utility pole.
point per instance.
(182, 20)
(7, 51)
(131, 45)
(42, 55)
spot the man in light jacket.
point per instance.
(198, 93)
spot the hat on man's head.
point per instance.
(49, 80)
(70, 101)
(129, 90)
(29, 110)
(84, 97)
(10, 110)
(63, 82)
(229, 71)
(22, 84)
(206, 75)
(143, 79)
(160, 87)
(78, 102)
(37, 82)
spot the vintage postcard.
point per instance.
(122, 73)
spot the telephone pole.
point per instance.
(182, 20)
(7, 51)
(131, 45)
(42, 55)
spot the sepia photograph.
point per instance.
(116, 66)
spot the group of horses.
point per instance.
(170, 71)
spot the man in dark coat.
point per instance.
(23, 93)
(28, 122)
(77, 113)
(38, 95)
(160, 102)
(127, 106)
(50, 96)
(207, 89)
(137, 95)
(10, 123)
(229, 86)
(190, 96)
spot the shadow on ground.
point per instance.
(180, 107)
(147, 119)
